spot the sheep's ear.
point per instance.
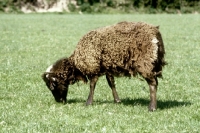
(49, 77)
(157, 27)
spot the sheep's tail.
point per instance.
(160, 63)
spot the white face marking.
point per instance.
(49, 68)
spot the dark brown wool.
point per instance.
(123, 49)
(126, 45)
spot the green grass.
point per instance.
(29, 43)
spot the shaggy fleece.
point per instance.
(126, 46)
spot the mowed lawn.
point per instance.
(29, 43)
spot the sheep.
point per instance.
(123, 49)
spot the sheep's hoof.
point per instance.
(152, 108)
(88, 103)
(117, 101)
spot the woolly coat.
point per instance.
(123, 49)
(126, 49)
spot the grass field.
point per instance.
(29, 43)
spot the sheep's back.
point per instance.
(125, 46)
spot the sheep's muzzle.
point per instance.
(61, 100)
(60, 95)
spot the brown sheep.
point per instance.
(123, 49)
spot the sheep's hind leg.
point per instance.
(111, 83)
(153, 82)
(93, 81)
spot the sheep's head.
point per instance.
(57, 86)
(58, 77)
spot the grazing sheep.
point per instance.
(123, 49)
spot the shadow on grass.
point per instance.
(95, 102)
(71, 101)
(160, 104)
(134, 102)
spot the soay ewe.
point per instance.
(123, 49)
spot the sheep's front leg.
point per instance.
(111, 83)
(153, 89)
(93, 81)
